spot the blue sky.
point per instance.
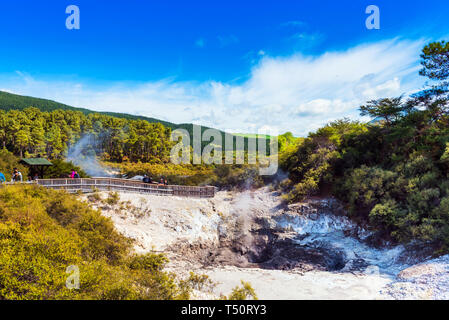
(287, 65)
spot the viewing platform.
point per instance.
(87, 185)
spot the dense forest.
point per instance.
(135, 147)
(392, 173)
(51, 134)
(9, 101)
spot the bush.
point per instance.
(311, 169)
(8, 161)
(42, 232)
(199, 282)
(113, 198)
(63, 169)
(245, 292)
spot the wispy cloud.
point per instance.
(293, 23)
(306, 40)
(254, 57)
(296, 93)
(225, 41)
(300, 36)
(201, 43)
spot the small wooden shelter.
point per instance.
(37, 166)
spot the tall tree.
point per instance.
(389, 109)
(435, 98)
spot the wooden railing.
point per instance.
(113, 184)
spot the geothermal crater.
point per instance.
(302, 251)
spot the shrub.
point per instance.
(94, 197)
(63, 169)
(245, 292)
(8, 161)
(113, 198)
(43, 231)
(200, 282)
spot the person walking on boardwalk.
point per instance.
(74, 174)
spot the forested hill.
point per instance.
(9, 101)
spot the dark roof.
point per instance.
(37, 162)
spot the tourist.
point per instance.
(16, 176)
(74, 174)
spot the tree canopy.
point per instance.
(392, 173)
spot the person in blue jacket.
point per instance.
(2, 178)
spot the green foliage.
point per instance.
(32, 132)
(62, 169)
(445, 156)
(150, 262)
(389, 110)
(199, 282)
(10, 101)
(393, 173)
(236, 176)
(435, 60)
(38, 126)
(175, 174)
(8, 162)
(113, 198)
(245, 292)
(364, 186)
(94, 197)
(42, 232)
(313, 165)
(225, 176)
(287, 142)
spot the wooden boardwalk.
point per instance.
(113, 184)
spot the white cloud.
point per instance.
(296, 93)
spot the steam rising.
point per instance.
(84, 155)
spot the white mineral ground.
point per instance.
(218, 237)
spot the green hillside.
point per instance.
(9, 101)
